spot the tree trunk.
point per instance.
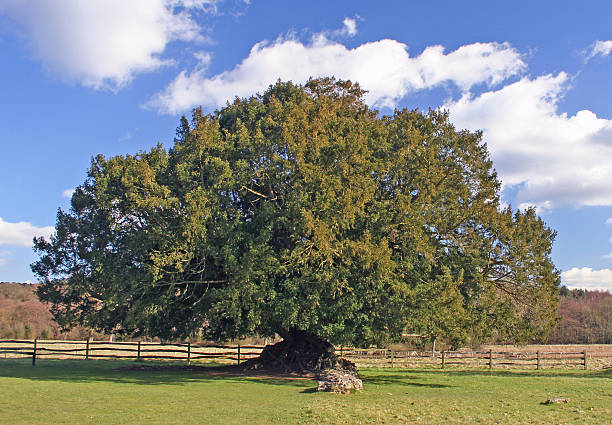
(300, 352)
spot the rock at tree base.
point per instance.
(301, 352)
(338, 381)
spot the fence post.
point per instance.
(34, 353)
(87, 350)
(341, 348)
(538, 359)
(584, 353)
(188, 352)
(138, 359)
(490, 359)
(391, 358)
(443, 358)
(238, 353)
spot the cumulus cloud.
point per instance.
(104, 43)
(553, 159)
(599, 48)
(587, 278)
(384, 68)
(21, 233)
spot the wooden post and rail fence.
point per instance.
(136, 350)
(488, 359)
(188, 352)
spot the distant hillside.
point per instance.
(23, 316)
(585, 318)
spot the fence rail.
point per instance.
(487, 359)
(136, 350)
(187, 352)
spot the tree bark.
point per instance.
(300, 352)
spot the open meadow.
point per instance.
(103, 391)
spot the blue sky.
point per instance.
(80, 78)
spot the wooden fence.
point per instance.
(136, 350)
(36, 349)
(485, 359)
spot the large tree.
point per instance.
(304, 213)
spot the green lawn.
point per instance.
(92, 392)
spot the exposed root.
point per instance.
(301, 352)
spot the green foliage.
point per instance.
(301, 209)
(28, 332)
(441, 313)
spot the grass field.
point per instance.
(96, 392)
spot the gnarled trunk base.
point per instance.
(301, 352)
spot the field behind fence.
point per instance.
(495, 357)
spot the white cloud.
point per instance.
(67, 193)
(551, 158)
(384, 68)
(587, 278)
(207, 5)
(349, 29)
(104, 43)
(602, 48)
(21, 233)
(350, 26)
(608, 256)
(609, 221)
(203, 58)
(3, 255)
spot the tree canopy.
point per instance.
(302, 209)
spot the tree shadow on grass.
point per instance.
(417, 384)
(160, 373)
(401, 379)
(145, 373)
